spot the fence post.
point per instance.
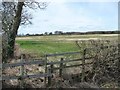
(50, 71)
(0, 60)
(83, 66)
(61, 67)
(22, 73)
(49, 77)
(51, 66)
(45, 78)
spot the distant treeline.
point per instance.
(72, 33)
(92, 32)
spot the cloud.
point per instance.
(65, 16)
(73, 16)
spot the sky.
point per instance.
(73, 16)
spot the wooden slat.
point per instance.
(51, 55)
(1, 65)
(58, 62)
(83, 66)
(22, 63)
(37, 62)
(25, 76)
(66, 61)
(41, 62)
(71, 66)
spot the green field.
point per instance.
(41, 45)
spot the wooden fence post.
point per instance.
(22, 73)
(45, 78)
(1, 60)
(83, 66)
(49, 78)
(50, 71)
(51, 66)
(61, 67)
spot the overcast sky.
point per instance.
(74, 16)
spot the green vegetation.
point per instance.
(44, 47)
(56, 43)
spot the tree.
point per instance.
(58, 32)
(46, 33)
(14, 15)
(10, 21)
(50, 33)
(15, 26)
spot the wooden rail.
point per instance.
(66, 61)
(41, 62)
(26, 76)
(76, 65)
(67, 53)
(23, 63)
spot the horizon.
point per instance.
(48, 33)
(73, 17)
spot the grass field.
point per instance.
(104, 63)
(56, 43)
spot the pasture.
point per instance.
(41, 45)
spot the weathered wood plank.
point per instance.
(66, 61)
(25, 76)
(51, 55)
(49, 77)
(42, 62)
(37, 62)
(77, 65)
(45, 65)
(0, 51)
(83, 65)
(22, 63)
(61, 67)
(21, 82)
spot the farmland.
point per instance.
(89, 64)
(41, 45)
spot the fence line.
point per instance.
(41, 62)
(49, 70)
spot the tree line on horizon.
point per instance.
(70, 33)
